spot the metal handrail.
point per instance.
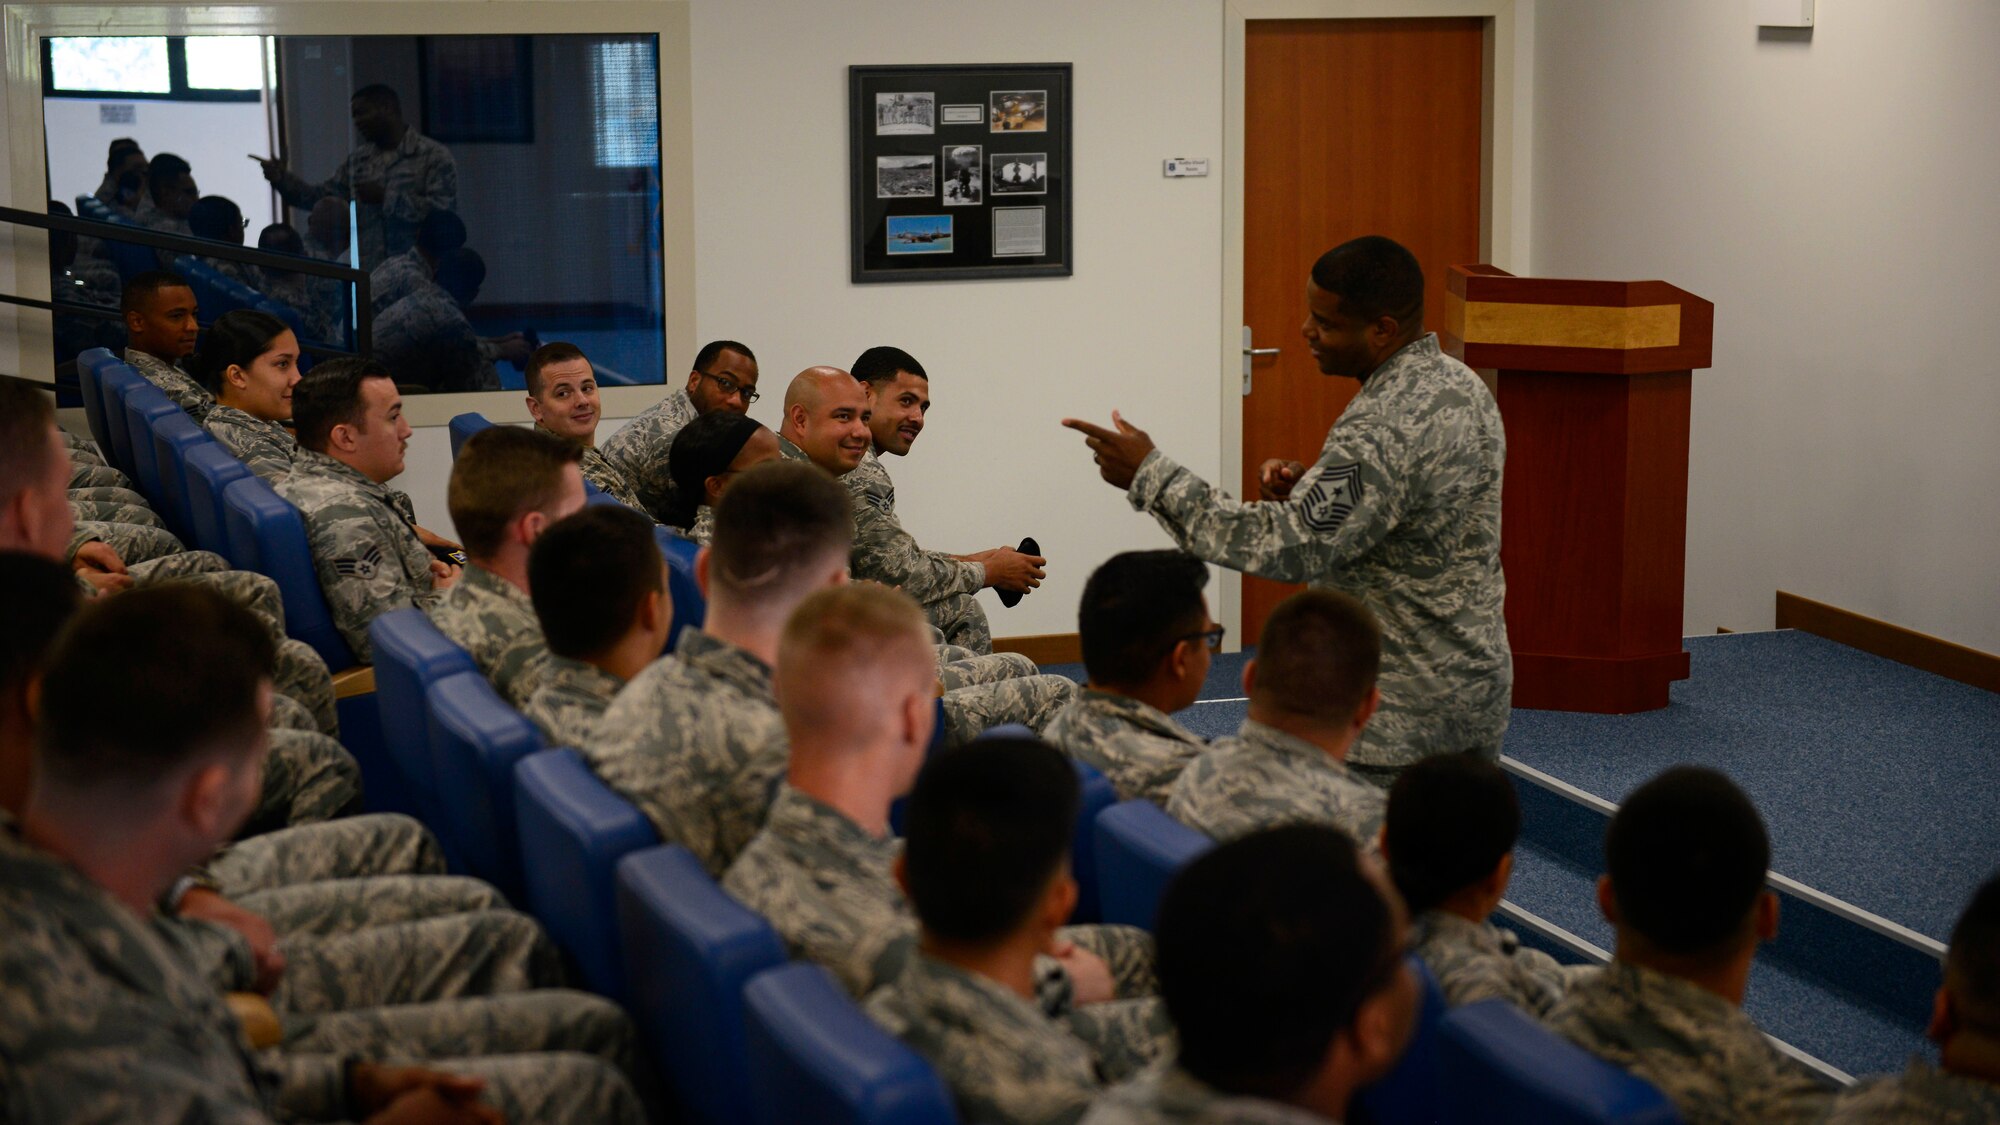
(205, 248)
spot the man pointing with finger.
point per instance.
(1401, 510)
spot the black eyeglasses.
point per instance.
(730, 386)
(1212, 636)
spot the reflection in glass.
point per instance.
(113, 64)
(225, 62)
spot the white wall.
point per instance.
(213, 137)
(1836, 198)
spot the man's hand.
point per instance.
(1009, 569)
(514, 349)
(1275, 478)
(207, 905)
(443, 574)
(429, 1107)
(369, 192)
(1089, 977)
(274, 170)
(431, 538)
(373, 1088)
(101, 567)
(1118, 452)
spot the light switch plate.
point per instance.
(1785, 13)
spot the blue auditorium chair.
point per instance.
(210, 469)
(476, 737)
(688, 950)
(145, 407)
(690, 605)
(90, 368)
(464, 426)
(410, 656)
(267, 535)
(1411, 1094)
(1098, 795)
(573, 831)
(130, 258)
(174, 437)
(816, 1056)
(1507, 1069)
(118, 382)
(1139, 847)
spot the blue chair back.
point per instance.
(573, 832)
(90, 368)
(688, 951)
(1410, 1094)
(267, 535)
(690, 607)
(1139, 847)
(411, 655)
(215, 292)
(173, 439)
(1510, 1070)
(210, 468)
(816, 1056)
(476, 738)
(145, 408)
(118, 382)
(1098, 795)
(464, 426)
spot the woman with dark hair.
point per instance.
(705, 454)
(250, 360)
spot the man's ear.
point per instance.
(656, 613)
(1177, 660)
(529, 526)
(694, 380)
(534, 408)
(901, 870)
(1369, 704)
(1944, 1018)
(135, 322)
(1767, 915)
(1250, 677)
(343, 436)
(204, 804)
(1607, 902)
(701, 570)
(1059, 901)
(1495, 883)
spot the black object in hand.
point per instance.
(1012, 598)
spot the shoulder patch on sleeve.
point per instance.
(1331, 499)
(363, 565)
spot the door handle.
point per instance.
(1250, 352)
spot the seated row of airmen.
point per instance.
(179, 824)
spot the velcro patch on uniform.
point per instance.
(1331, 499)
(362, 565)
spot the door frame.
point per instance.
(1506, 178)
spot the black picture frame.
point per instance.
(915, 213)
(477, 89)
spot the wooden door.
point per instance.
(1352, 127)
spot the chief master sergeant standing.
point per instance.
(1401, 510)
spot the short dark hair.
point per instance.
(378, 94)
(880, 365)
(183, 663)
(1451, 818)
(281, 238)
(440, 232)
(460, 273)
(1972, 964)
(215, 217)
(144, 284)
(988, 825)
(703, 448)
(1318, 656)
(1308, 938)
(120, 148)
(1687, 854)
(26, 415)
(330, 395)
(163, 171)
(559, 351)
(40, 596)
(1134, 608)
(588, 574)
(501, 472)
(236, 338)
(1374, 277)
(774, 522)
(712, 351)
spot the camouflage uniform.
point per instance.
(1263, 777)
(178, 385)
(960, 667)
(602, 472)
(348, 848)
(1137, 746)
(343, 906)
(107, 494)
(1402, 511)
(1700, 1050)
(703, 530)
(425, 338)
(1168, 1095)
(1921, 1095)
(570, 700)
(113, 511)
(94, 473)
(885, 553)
(1475, 961)
(1036, 701)
(696, 742)
(267, 448)
(418, 176)
(640, 449)
(398, 277)
(317, 300)
(364, 545)
(134, 544)
(1004, 1059)
(493, 620)
(308, 777)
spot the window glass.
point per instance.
(225, 62)
(624, 83)
(117, 64)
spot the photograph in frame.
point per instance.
(1020, 232)
(919, 234)
(1018, 111)
(973, 114)
(905, 114)
(962, 168)
(905, 177)
(1020, 173)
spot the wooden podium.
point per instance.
(1594, 390)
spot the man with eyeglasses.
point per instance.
(724, 377)
(1147, 639)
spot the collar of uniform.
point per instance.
(804, 820)
(411, 144)
(1176, 1095)
(1942, 1086)
(1446, 925)
(234, 416)
(544, 430)
(1145, 716)
(1418, 352)
(791, 451)
(59, 889)
(1651, 989)
(581, 677)
(319, 464)
(945, 993)
(1264, 736)
(476, 577)
(145, 361)
(713, 656)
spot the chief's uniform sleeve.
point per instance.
(299, 193)
(886, 553)
(1355, 498)
(434, 187)
(362, 575)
